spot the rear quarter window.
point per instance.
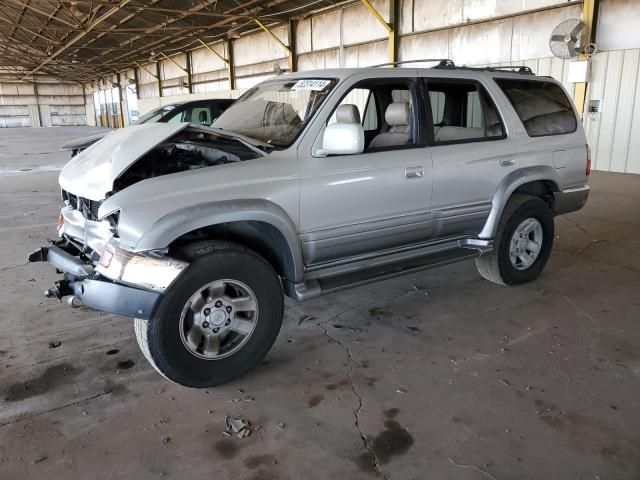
(543, 107)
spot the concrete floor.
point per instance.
(440, 375)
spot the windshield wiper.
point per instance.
(248, 141)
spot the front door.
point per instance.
(353, 205)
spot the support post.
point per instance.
(137, 83)
(388, 26)
(159, 79)
(230, 70)
(272, 35)
(394, 23)
(35, 91)
(189, 80)
(121, 99)
(293, 54)
(213, 51)
(590, 17)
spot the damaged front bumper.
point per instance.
(122, 283)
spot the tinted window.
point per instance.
(462, 112)
(543, 107)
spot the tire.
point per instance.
(162, 338)
(497, 265)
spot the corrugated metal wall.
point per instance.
(614, 132)
(44, 104)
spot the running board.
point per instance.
(321, 284)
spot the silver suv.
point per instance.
(311, 183)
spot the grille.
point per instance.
(89, 208)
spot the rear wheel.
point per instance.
(522, 244)
(217, 321)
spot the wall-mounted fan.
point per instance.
(571, 38)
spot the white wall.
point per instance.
(614, 133)
(50, 103)
(618, 25)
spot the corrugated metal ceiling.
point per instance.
(86, 39)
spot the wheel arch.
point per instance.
(540, 181)
(257, 224)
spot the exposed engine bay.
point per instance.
(188, 150)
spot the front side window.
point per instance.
(384, 108)
(543, 107)
(275, 112)
(462, 111)
(365, 102)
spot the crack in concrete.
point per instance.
(77, 402)
(356, 411)
(581, 228)
(4, 269)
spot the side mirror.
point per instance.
(342, 139)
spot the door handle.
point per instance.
(414, 172)
(507, 162)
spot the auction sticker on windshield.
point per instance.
(311, 84)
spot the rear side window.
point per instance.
(543, 107)
(462, 111)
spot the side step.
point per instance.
(320, 285)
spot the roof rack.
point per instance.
(447, 64)
(514, 68)
(494, 68)
(441, 61)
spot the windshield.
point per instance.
(154, 115)
(275, 112)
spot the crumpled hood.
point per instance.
(84, 142)
(91, 173)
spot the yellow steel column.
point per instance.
(393, 41)
(590, 16)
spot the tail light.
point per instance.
(588, 170)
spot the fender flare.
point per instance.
(188, 219)
(506, 188)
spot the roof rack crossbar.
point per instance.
(515, 68)
(441, 61)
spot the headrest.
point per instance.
(202, 116)
(397, 114)
(347, 113)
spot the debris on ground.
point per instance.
(166, 439)
(305, 318)
(55, 344)
(347, 327)
(40, 459)
(401, 390)
(237, 426)
(505, 382)
(281, 426)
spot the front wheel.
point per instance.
(522, 244)
(217, 321)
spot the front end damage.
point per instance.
(98, 273)
(100, 269)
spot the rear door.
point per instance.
(353, 205)
(470, 151)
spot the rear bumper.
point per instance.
(570, 200)
(91, 289)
